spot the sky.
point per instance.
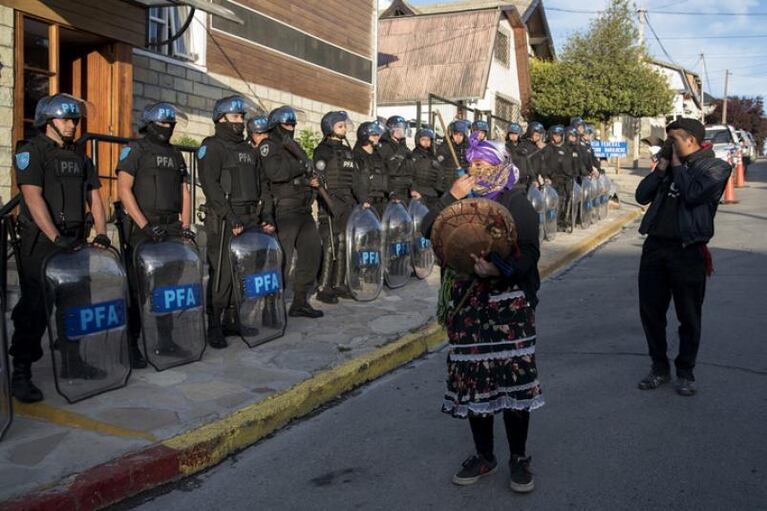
(724, 40)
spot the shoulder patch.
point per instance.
(440, 158)
(124, 152)
(264, 150)
(201, 152)
(320, 165)
(22, 160)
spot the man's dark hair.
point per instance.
(692, 127)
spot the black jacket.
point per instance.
(700, 181)
(521, 269)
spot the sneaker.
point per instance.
(474, 468)
(654, 380)
(685, 387)
(521, 478)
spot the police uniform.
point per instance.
(427, 175)
(286, 174)
(445, 159)
(158, 171)
(66, 178)
(374, 181)
(227, 153)
(534, 156)
(561, 164)
(398, 161)
(335, 162)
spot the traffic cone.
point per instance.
(729, 191)
(740, 172)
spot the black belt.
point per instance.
(170, 218)
(245, 209)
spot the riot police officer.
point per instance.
(427, 168)
(397, 158)
(236, 200)
(561, 164)
(334, 159)
(518, 153)
(289, 173)
(56, 183)
(595, 163)
(374, 182)
(532, 147)
(481, 128)
(258, 130)
(153, 187)
(458, 131)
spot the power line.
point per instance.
(757, 36)
(668, 13)
(666, 53)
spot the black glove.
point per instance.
(234, 222)
(666, 151)
(102, 240)
(155, 232)
(68, 242)
(188, 234)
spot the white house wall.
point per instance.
(502, 80)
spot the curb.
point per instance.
(209, 444)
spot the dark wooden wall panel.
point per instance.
(264, 67)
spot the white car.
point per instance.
(724, 140)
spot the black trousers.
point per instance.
(517, 423)
(298, 231)
(666, 270)
(564, 189)
(337, 272)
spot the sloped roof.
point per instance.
(447, 54)
(523, 6)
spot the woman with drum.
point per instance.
(485, 233)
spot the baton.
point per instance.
(448, 140)
(226, 185)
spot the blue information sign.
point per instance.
(606, 149)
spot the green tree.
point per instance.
(308, 140)
(607, 67)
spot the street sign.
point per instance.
(607, 149)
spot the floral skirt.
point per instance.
(491, 355)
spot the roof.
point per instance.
(447, 54)
(523, 6)
(687, 78)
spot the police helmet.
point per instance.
(535, 127)
(480, 126)
(282, 115)
(396, 121)
(59, 106)
(571, 130)
(229, 105)
(557, 129)
(258, 124)
(367, 129)
(590, 129)
(330, 119)
(577, 121)
(424, 132)
(158, 112)
(514, 127)
(459, 126)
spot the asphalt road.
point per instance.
(599, 443)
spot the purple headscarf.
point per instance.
(502, 176)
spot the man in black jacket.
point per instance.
(683, 192)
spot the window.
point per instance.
(165, 23)
(501, 50)
(507, 109)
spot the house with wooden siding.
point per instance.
(475, 54)
(121, 55)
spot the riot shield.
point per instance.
(604, 197)
(535, 197)
(256, 259)
(551, 205)
(169, 276)
(587, 206)
(86, 298)
(595, 197)
(6, 406)
(422, 256)
(364, 241)
(576, 205)
(398, 236)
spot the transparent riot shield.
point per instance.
(86, 296)
(535, 197)
(422, 255)
(604, 197)
(398, 236)
(6, 407)
(171, 296)
(576, 205)
(364, 243)
(551, 205)
(587, 207)
(256, 259)
(595, 197)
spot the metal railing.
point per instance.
(462, 109)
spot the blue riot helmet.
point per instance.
(368, 129)
(230, 105)
(480, 126)
(282, 115)
(330, 119)
(162, 112)
(571, 131)
(459, 126)
(397, 126)
(60, 106)
(557, 129)
(590, 129)
(424, 132)
(535, 127)
(258, 124)
(578, 123)
(514, 127)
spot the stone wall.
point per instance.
(6, 101)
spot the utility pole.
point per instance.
(703, 90)
(638, 122)
(724, 100)
(642, 12)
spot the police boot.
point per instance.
(137, 360)
(22, 387)
(300, 308)
(325, 293)
(270, 317)
(230, 323)
(73, 367)
(339, 279)
(165, 346)
(216, 337)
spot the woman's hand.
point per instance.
(484, 268)
(462, 187)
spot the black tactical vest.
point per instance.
(157, 184)
(339, 166)
(427, 170)
(240, 163)
(64, 186)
